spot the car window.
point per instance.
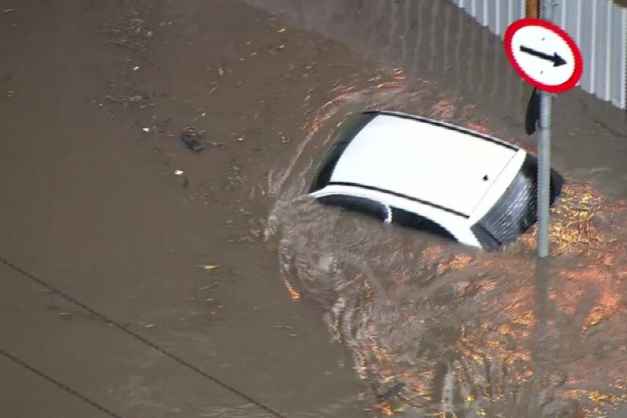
(358, 204)
(412, 220)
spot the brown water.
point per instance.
(435, 328)
(94, 97)
(457, 330)
(92, 205)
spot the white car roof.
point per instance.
(436, 163)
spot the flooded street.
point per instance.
(150, 273)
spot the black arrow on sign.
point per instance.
(555, 58)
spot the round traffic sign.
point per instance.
(543, 54)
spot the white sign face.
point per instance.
(543, 54)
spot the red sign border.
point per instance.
(560, 88)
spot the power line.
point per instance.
(61, 385)
(142, 339)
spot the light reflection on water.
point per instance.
(437, 329)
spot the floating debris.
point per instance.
(391, 392)
(209, 267)
(192, 139)
(282, 326)
(293, 293)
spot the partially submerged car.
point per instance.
(434, 176)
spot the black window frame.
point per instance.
(473, 134)
(362, 205)
(418, 222)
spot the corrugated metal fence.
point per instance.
(599, 27)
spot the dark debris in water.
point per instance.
(193, 140)
(391, 393)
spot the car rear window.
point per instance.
(344, 136)
(516, 210)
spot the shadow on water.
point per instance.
(435, 328)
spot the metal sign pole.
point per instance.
(544, 158)
(544, 174)
(548, 58)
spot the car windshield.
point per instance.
(349, 129)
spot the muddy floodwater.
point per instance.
(436, 329)
(155, 157)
